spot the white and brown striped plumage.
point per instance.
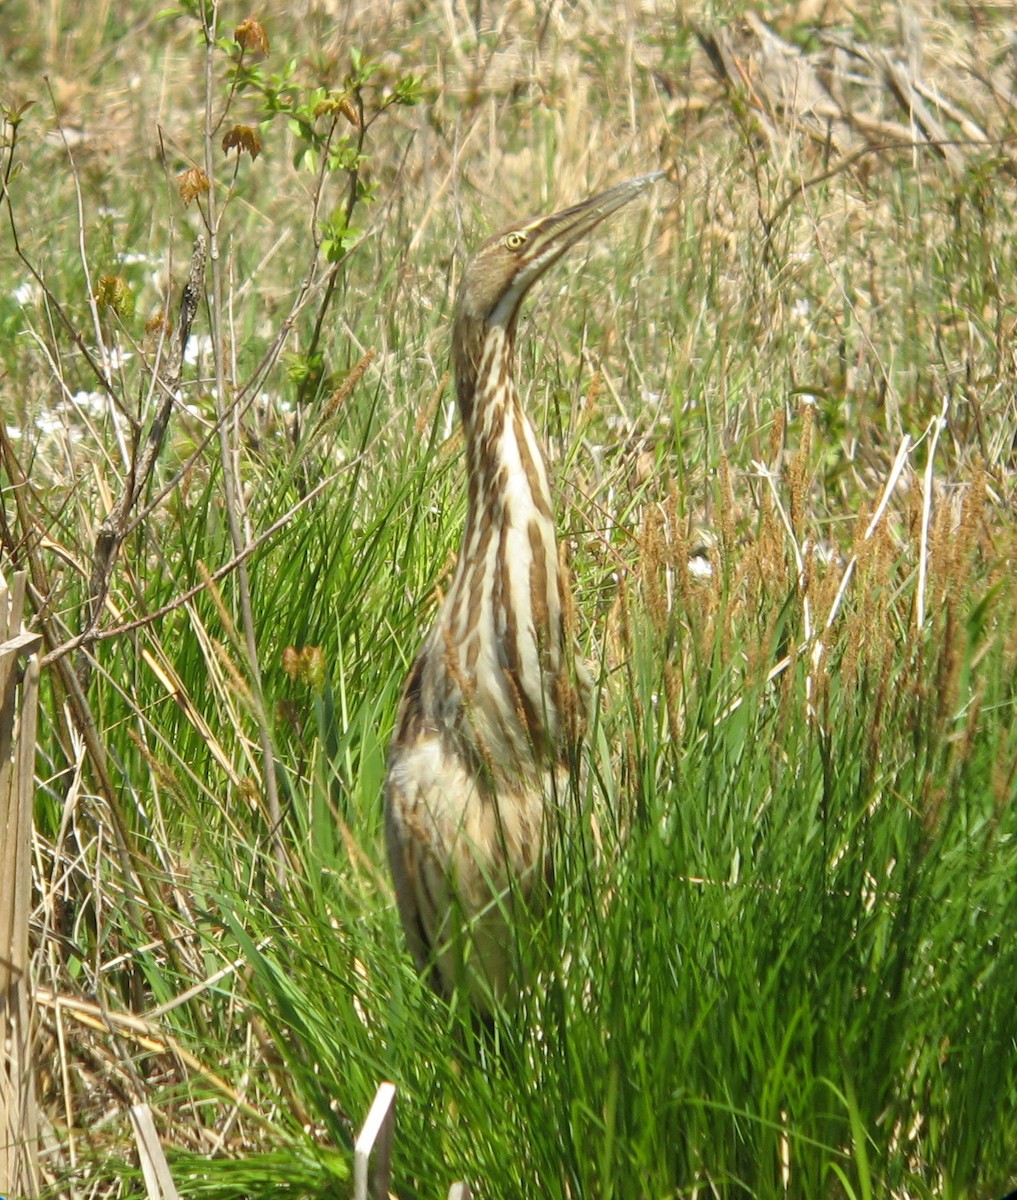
(478, 760)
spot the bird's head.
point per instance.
(505, 266)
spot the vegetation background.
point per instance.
(779, 404)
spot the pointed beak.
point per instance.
(549, 237)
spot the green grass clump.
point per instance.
(778, 400)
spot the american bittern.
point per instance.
(478, 760)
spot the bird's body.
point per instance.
(478, 761)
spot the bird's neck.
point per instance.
(502, 621)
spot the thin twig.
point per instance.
(229, 452)
(113, 529)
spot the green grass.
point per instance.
(780, 959)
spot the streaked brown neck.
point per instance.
(471, 354)
(502, 618)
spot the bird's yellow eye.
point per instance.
(515, 240)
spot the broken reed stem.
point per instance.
(19, 698)
(936, 428)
